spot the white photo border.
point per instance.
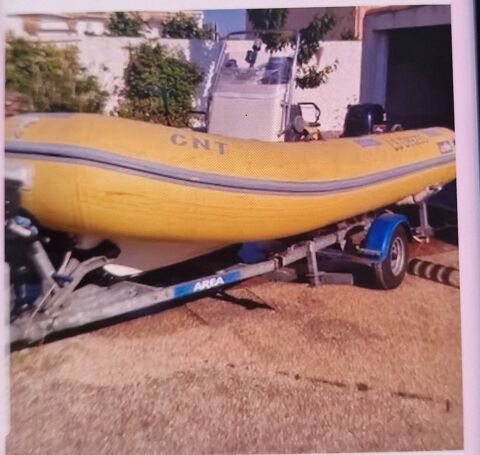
(468, 184)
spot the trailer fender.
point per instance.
(380, 234)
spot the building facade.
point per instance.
(407, 64)
(348, 21)
(76, 25)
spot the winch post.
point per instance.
(424, 230)
(42, 263)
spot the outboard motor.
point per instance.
(31, 269)
(362, 119)
(19, 235)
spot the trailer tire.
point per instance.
(389, 274)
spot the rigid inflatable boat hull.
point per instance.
(121, 178)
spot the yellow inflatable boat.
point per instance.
(112, 177)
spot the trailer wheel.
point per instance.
(390, 273)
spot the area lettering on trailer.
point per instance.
(209, 283)
(198, 143)
(204, 284)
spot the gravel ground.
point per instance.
(267, 368)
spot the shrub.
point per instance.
(152, 69)
(125, 24)
(349, 35)
(184, 26)
(51, 78)
(17, 103)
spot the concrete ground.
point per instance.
(267, 368)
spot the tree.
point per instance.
(184, 26)
(152, 76)
(51, 79)
(270, 19)
(308, 76)
(125, 24)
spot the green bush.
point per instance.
(125, 24)
(51, 78)
(184, 26)
(349, 35)
(17, 103)
(151, 69)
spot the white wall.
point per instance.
(14, 25)
(106, 57)
(90, 26)
(343, 86)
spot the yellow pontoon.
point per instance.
(112, 177)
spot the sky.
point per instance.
(228, 20)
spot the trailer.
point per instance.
(378, 241)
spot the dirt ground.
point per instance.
(268, 368)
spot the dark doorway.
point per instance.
(419, 79)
